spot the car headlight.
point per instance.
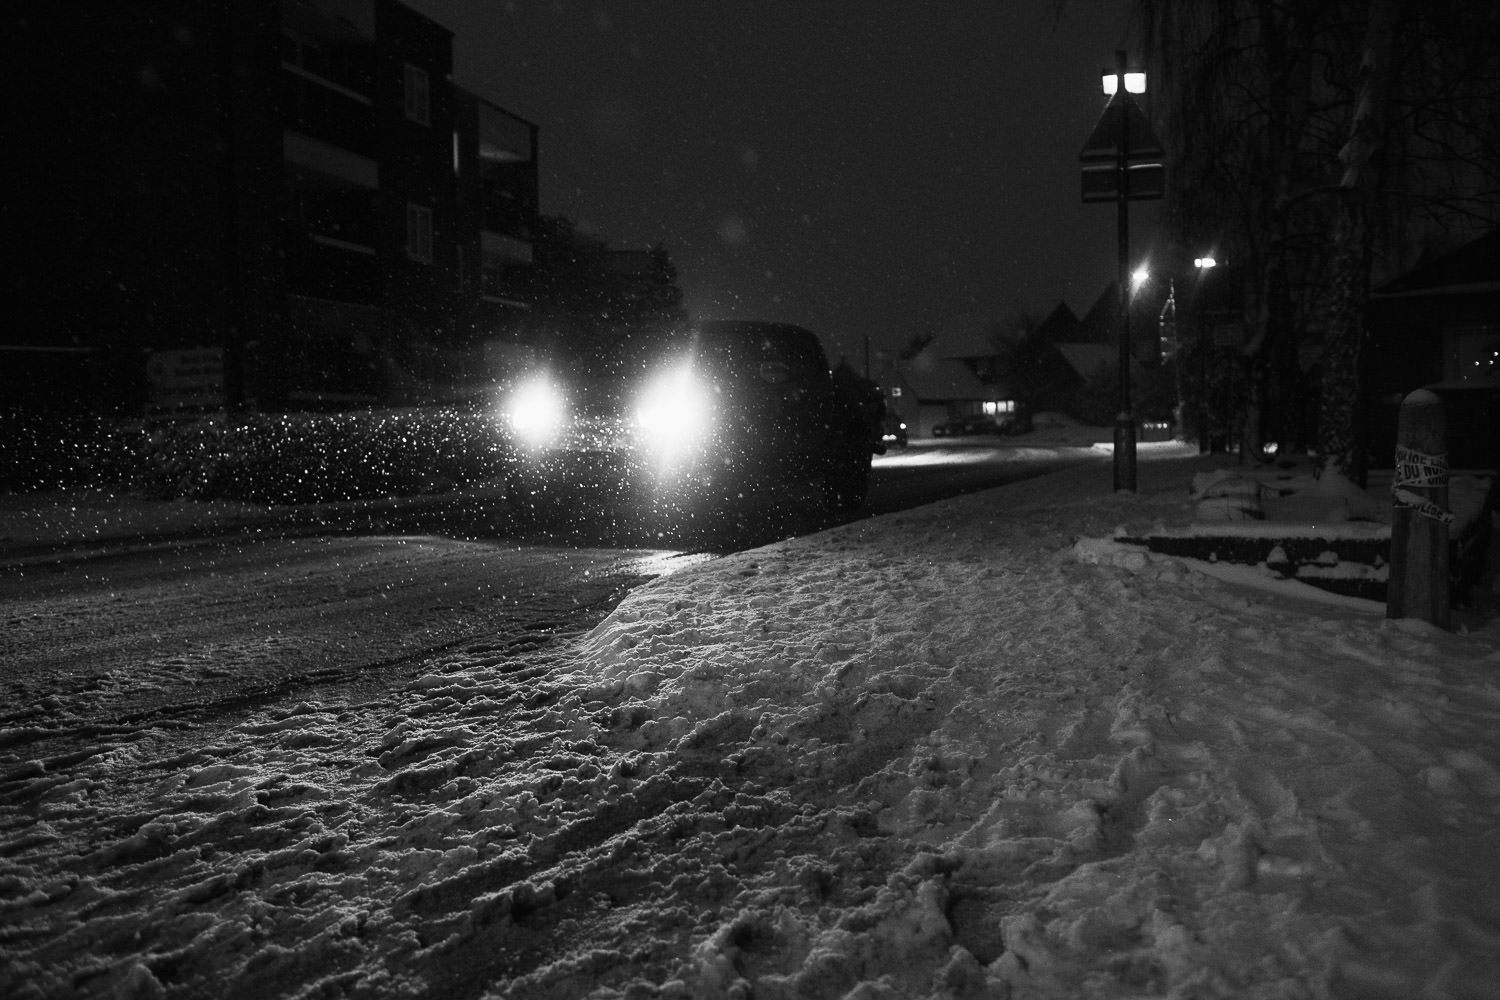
(536, 412)
(673, 415)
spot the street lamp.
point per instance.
(1123, 135)
(1135, 83)
(1139, 277)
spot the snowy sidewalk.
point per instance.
(970, 750)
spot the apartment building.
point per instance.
(255, 205)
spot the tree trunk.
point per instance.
(1340, 423)
(1340, 429)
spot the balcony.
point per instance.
(322, 267)
(323, 110)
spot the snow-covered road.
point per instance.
(108, 644)
(972, 750)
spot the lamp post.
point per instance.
(1123, 134)
(1133, 83)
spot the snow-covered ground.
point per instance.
(976, 749)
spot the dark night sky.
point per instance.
(867, 168)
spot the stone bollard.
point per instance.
(1418, 585)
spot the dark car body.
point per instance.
(707, 410)
(965, 426)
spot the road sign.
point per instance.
(1140, 139)
(1143, 181)
(185, 380)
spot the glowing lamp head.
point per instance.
(1135, 82)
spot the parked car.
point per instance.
(965, 426)
(700, 412)
(893, 432)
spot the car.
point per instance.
(893, 433)
(964, 426)
(709, 411)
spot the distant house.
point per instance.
(1077, 357)
(1438, 327)
(928, 390)
(967, 344)
(971, 339)
(1060, 356)
(965, 369)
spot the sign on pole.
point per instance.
(1123, 124)
(1139, 138)
(185, 381)
(1143, 181)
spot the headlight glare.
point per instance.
(536, 412)
(673, 415)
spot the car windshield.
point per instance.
(621, 354)
(744, 348)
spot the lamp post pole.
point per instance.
(1125, 463)
(1205, 341)
(1108, 176)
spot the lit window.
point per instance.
(419, 233)
(418, 95)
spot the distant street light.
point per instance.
(1135, 83)
(1205, 349)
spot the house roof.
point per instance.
(1061, 326)
(1087, 359)
(939, 380)
(1099, 322)
(966, 336)
(1473, 267)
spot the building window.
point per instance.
(418, 95)
(419, 233)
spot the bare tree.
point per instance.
(1322, 145)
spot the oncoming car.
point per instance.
(700, 412)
